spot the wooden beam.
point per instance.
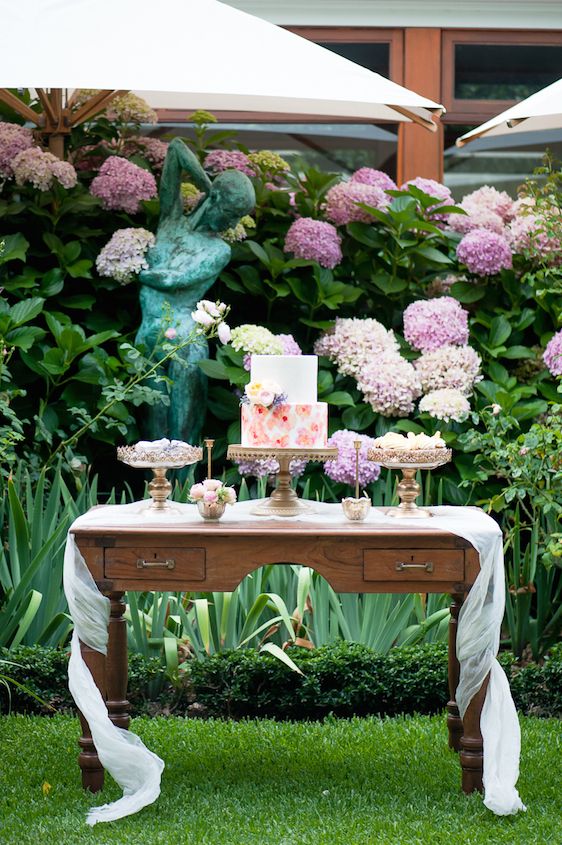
(93, 106)
(52, 117)
(16, 104)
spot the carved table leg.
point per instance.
(117, 664)
(88, 760)
(471, 756)
(454, 721)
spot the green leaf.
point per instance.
(24, 337)
(276, 651)
(358, 418)
(340, 398)
(81, 300)
(517, 352)
(80, 269)
(389, 284)
(500, 330)
(15, 248)
(434, 255)
(214, 369)
(259, 252)
(26, 310)
(467, 292)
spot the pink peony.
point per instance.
(13, 140)
(121, 185)
(553, 354)
(342, 199)
(314, 240)
(484, 253)
(369, 176)
(432, 323)
(210, 496)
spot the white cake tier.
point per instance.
(299, 426)
(296, 375)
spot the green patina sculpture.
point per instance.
(186, 259)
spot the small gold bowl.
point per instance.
(356, 510)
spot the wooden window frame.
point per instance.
(477, 111)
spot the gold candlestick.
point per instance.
(209, 446)
(357, 447)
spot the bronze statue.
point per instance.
(186, 259)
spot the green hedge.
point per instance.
(343, 679)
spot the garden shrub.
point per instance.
(342, 679)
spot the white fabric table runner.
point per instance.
(137, 770)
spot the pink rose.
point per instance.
(212, 484)
(170, 333)
(197, 492)
(210, 496)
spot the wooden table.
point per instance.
(353, 557)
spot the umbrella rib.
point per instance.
(94, 105)
(16, 104)
(415, 118)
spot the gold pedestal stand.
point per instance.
(409, 461)
(284, 500)
(159, 461)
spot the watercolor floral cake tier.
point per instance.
(279, 407)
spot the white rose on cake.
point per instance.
(266, 393)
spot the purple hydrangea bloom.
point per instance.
(218, 160)
(123, 256)
(263, 467)
(390, 385)
(353, 342)
(476, 218)
(121, 185)
(314, 240)
(290, 346)
(484, 253)
(553, 354)
(343, 468)
(432, 323)
(42, 169)
(342, 199)
(369, 176)
(442, 194)
(152, 149)
(13, 140)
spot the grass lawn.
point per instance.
(389, 782)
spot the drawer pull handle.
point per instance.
(162, 564)
(401, 566)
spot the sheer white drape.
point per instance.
(138, 770)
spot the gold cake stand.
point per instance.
(159, 460)
(284, 500)
(409, 461)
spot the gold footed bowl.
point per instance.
(159, 456)
(283, 500)
(410, 461)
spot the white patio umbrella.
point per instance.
(540, 111)
(186, 55)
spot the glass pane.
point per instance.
(503, 162)
(504, 71)
(374, 56)
(333, 147)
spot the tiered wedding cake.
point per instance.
(280, 407)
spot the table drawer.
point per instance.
(144, 562)
(405, 565)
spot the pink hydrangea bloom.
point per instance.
(442, 194)
(527, 233)
(456, 367)
(290, 346)
(314, 240)
(484, 253)
(13, 140)
(390, 385)
(370, 176)
(121, 185)
(42, 169)
(342, 199)
(218, 160)
(343, 468)
(490, 199)
(354, 342)
(553, 354)
(432, 323)
(152, 149)
(476, 218)
(447, 404)
(123, 256)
